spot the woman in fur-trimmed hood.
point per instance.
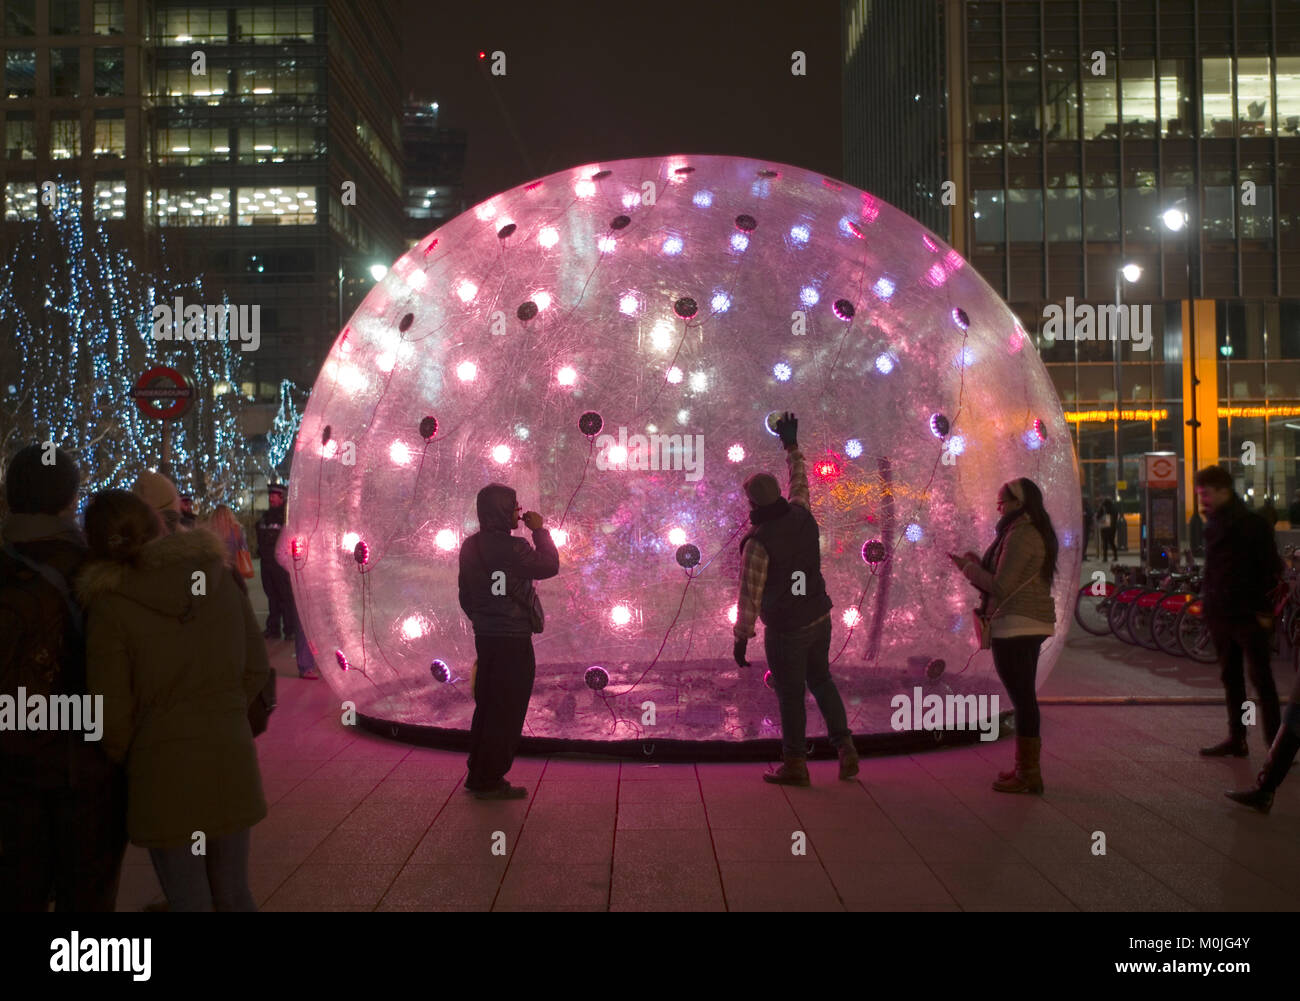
(173, 647)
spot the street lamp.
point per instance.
(377, 272)
(1130, 273)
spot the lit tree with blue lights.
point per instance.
(76, 334)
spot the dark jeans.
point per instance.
(1108, 542)
(279, 600)
(799, 659)
(69, 841)
(1016, 661)
(217, 881)
(1233, 639)
(502, 688)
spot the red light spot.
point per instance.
(297, 548)
(827, 469)
(831, 184)
(432, 244)
(482, 55)
(530, 187)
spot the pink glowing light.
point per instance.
(466, 371)
(567, 376)
(548, 237)
(736, 453)
(733, 613)
(501, 454)
(413, 627)
(466, 290)
(560, 537)
(677, 536)
(621, 615)
(399, 453)
(445, 539)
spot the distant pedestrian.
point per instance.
(189, 519)
(62, 801)
(1015, 575)
(225, 526)
(275, 578)
(495, 582)
(178, 668)
(1107, 521)
(1242, 573)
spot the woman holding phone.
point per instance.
(1015, 575)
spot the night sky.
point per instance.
(591, 81)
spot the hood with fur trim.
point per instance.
(161, 576)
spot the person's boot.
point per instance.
(503, 790)
(848, 759)
(793, 772)
(1234, 747)
(1027, 777)
(1280, 756)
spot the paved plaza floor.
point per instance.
(358, 822)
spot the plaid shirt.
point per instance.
(753, 571)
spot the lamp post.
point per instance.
(1129, 273)
(1177, 220)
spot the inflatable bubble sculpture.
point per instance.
(615, 342)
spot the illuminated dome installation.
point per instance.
(613, 341)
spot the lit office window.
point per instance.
(280, 144)
(110, 135)
(1254, 96)
(109, 17)
(20, 136)
(181, 26)
(65, 72)
(1062, 83)
(20, 201)
(65, 17)
(1176, 113)
(110, 199)
(1216, 98)
(193, 145)
(110, 78)
(1100, 108)
(183, 87)
(288, 206)
(274, 25)
(1288, 96)
(1138, 97)
(65, 138)
(20, 73)
(193, 207)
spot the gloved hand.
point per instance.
(787, 426)
(738, 651)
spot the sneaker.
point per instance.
(503, 791)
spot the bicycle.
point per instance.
(1093, 602)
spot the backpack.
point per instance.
(36, 615)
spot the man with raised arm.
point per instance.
(781, 583)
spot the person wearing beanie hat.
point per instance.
(64, 801)
(781, 583)
(275, 578)
(160, 493)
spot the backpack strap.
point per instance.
(55, 579)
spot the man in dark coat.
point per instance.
(781, 582)
(496, 577)
(275, 578)
(62, 802)
(1242, 573)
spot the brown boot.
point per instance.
(1027, 778)
(793, 772)
(848, 759)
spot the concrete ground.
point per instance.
(357, 822)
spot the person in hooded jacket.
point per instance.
(174, 649)
(495, 582)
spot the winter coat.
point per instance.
(1241, 564)
(1016, 587)
(177, 672)
(493, 548)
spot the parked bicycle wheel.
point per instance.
(1164, 624)
(1141, 620)
(1119, 613)
(1194, 634)
(1092, 611)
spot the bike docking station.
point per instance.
(1160, 518)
